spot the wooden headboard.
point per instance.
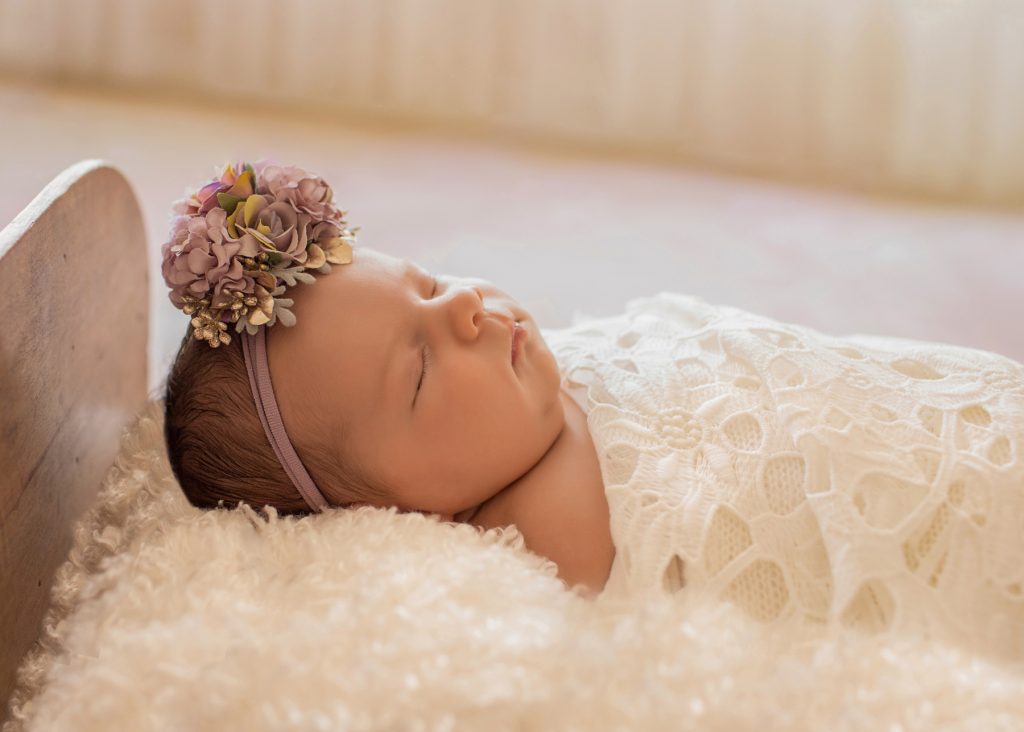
(73, 334)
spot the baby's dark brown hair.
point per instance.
(217, 447)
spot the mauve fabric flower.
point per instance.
(236, 181)
(246, 233)
(324, 231)
(305, 191)
(274, 223)
(205, 260)
(327, 235)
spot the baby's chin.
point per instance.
(553, 416)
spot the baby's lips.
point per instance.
(519, 337)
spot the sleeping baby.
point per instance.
(429, 393)
(864, 482)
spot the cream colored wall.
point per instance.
(913, 96)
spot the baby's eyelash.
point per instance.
(423, 371)
(426, 352)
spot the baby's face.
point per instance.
(420, 369)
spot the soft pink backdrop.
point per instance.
(563, 231)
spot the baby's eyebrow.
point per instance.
(409, 272)
(414, 269)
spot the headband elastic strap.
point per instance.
(254, 348)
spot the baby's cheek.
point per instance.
(546, 389)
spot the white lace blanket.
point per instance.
(858, 481)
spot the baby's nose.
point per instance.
(465, 306)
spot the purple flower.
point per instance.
(306, 192)
(239, 237)
(201, 258)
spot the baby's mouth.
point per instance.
(518, 337)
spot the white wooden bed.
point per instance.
(73, 333)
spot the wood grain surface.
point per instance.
(73, 333)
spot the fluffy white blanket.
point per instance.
(168, 618)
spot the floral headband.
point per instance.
(235, 246)
(242, 239)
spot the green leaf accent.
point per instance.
(228, 202)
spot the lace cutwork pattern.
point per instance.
(861, 481)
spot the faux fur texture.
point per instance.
(169, 618)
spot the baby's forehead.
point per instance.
(386, 268)
(369, 302)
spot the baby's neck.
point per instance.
(559, 506)
(554, 452)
